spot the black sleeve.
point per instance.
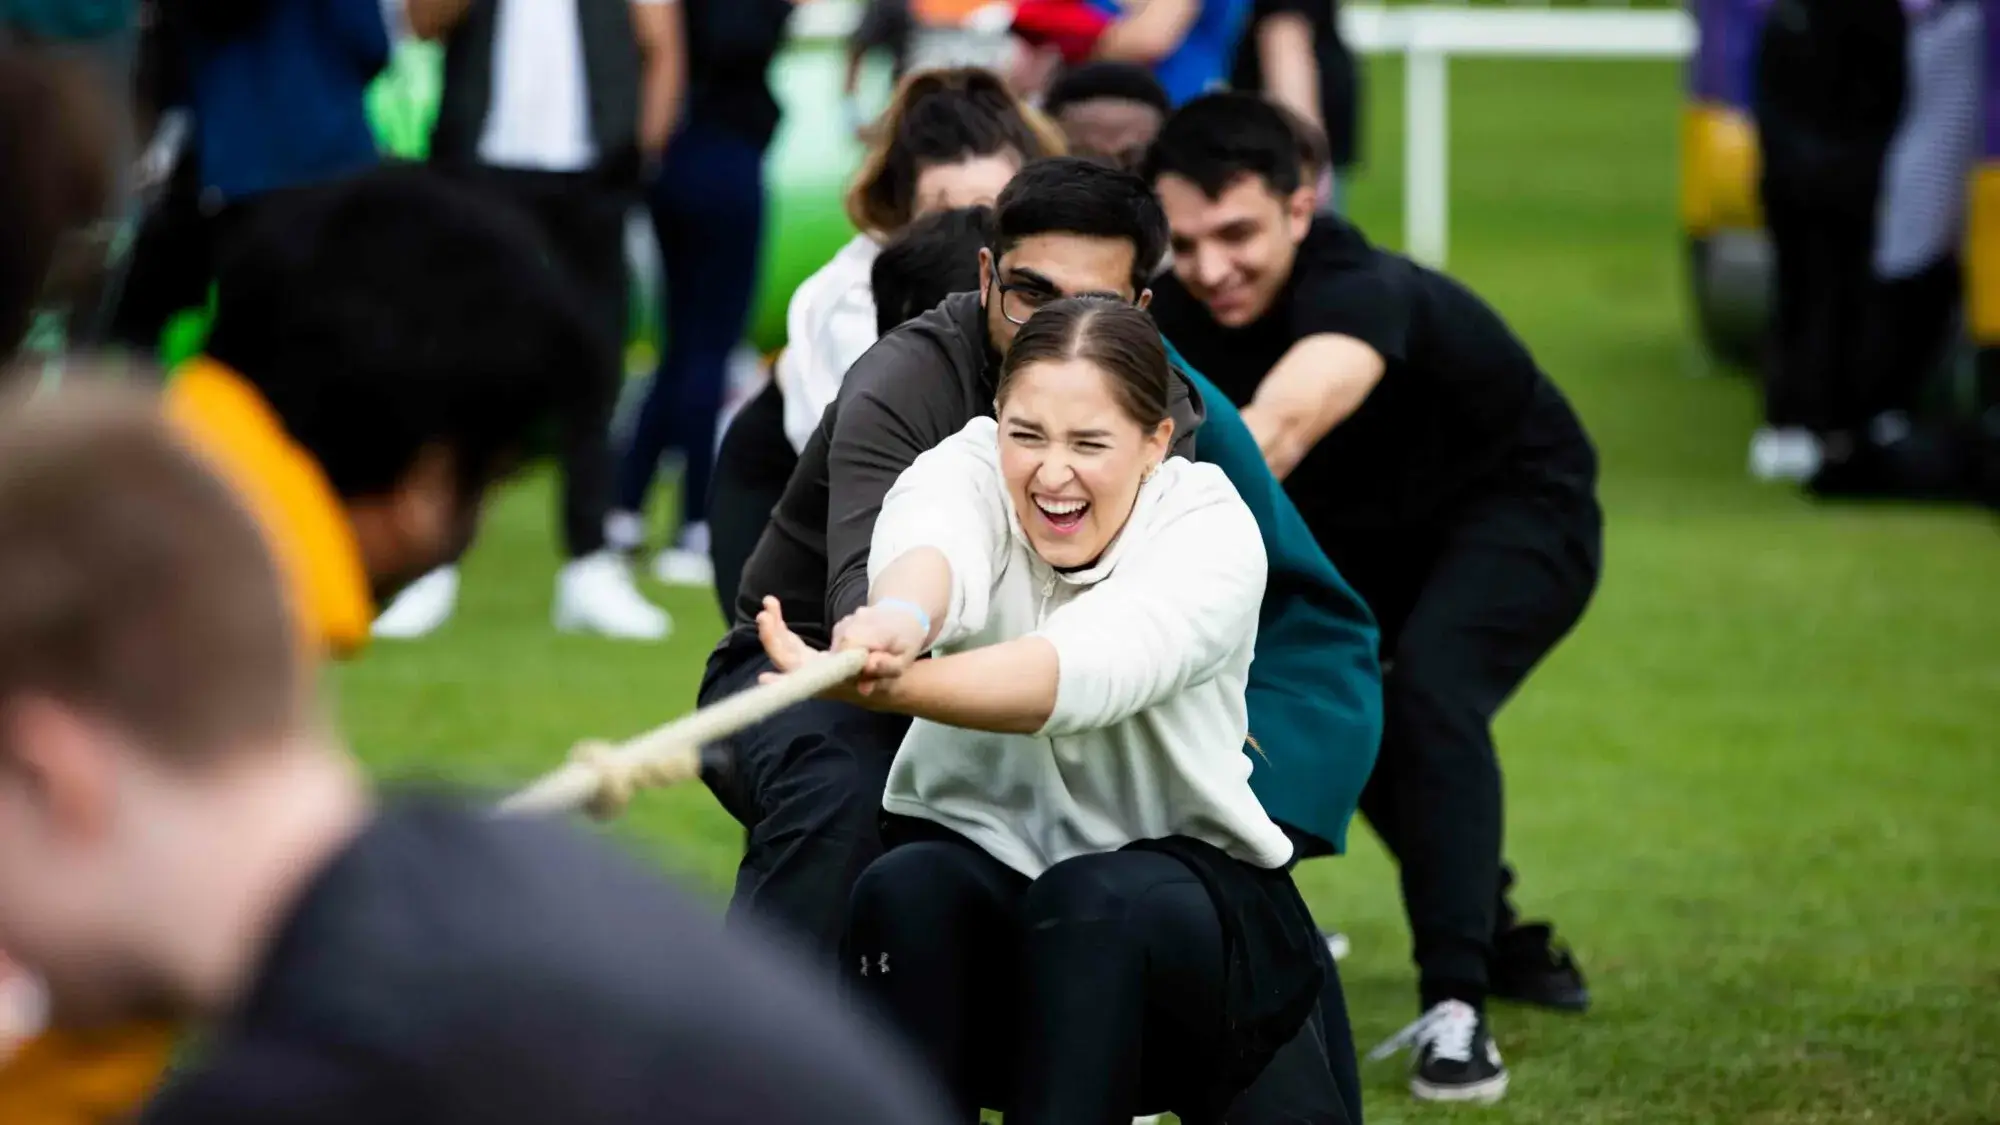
(1367, 302)
(886, 418)
(256, 1082)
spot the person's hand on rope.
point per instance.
(789, 652)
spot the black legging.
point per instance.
(1085, 997)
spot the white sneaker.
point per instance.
(687, 562)
(422, 606)
(1789, 454)
(1336, 944)
(595, 594)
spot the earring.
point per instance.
(1152, 471)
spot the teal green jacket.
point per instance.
(1315, 691)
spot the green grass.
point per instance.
(1755, 788)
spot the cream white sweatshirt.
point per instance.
(829, 323)
(1153, 642)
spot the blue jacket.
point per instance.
(1315, 691)
(281, 104)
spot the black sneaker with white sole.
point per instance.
(1454, 1057)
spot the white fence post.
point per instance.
(1426, 153)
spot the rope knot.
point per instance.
(617, 779)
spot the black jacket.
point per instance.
(917, 386)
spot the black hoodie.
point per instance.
(917, 386)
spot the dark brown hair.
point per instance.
(941, 117)
(133, 585)
(1121, 340)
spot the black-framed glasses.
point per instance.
(1020, 302)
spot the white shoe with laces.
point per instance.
(421, 608)
(1455, 1059)
(595, 594)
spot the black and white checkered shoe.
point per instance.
(1454, 1056)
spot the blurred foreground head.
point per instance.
(411, 338)
(55, 182)
(146, 653)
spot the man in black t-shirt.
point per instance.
(1452, 485)
(181, 835)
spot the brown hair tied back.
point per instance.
(941, 117)
(1119, 339)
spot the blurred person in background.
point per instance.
(1108, 111)
(885, 26)
(950, 138)
(708, 205)
(355, 396)
(1829, 92)
(1447, 478)
(557, 107)
(1919, 286)
(274, 94)
(183, 835)
(1293, 54)
(1188, 44)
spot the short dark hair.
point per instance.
(941, 117)
(1120, 339)
(1314, 153)
(1072, 195)
(1217, 139)
(399, 309)
(934, 257)
(1121, 81)
(133, 583)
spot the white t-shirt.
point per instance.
(828, 325)
(540, 115)
(1153, 646)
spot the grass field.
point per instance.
(1756, 788)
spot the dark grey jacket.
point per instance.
(917, 386)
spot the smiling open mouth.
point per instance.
(1062, 516)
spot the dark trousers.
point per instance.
(581, 216)
(1909, 335)
(1823, 291)
(1084, 997)
(1464, 619)
(806, 784)
(708, 213)
(751, 468)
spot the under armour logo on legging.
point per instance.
(881, 966)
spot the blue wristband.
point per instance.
(911, 608)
